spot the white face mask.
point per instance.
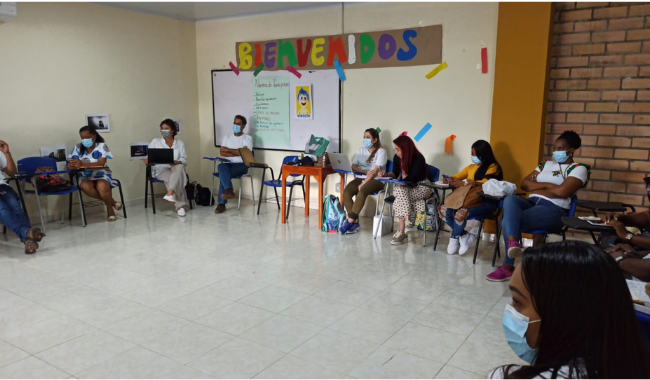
(166, 133)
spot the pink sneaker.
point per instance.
(499, 275)
(515, 249)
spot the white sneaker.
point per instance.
(181, 211)
(465, 241)
(409, 226)
(169, 198)
(399, 238)
(453, 246)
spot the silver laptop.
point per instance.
(340, 161)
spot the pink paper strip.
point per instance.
(484, 60)
(234, 69)
(294, 72)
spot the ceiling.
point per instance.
(195, 11)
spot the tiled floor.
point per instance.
(240, 296)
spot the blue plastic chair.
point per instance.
(562, 231)
(150, 180)
(29, 166)
(277, 183)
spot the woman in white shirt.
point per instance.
(551, 185)
(173, 175)
(571, 317)
(369, 160)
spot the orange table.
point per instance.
(320, 174)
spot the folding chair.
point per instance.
(215, 174)
(29, 166)
(277, 183)
(149, 181)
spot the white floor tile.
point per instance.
(371, 326)
(31, 368)
(291, 367)
(281, 333)
(449, 372)
(10, 354)
(41, 336)
(395, 305)
(274, 299)
(194, 305)
(235, 318)
(482, 357)
(386, 363)
(318, 311)
(436, 345)
(350, 294)
(235, 288)
(188, 342)
(449, 319)
(24, 315)
(145, 326)
(107, 312)
(136, 363)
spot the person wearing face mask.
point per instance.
(173, 175)
(410, 166)
(235, 168)
(572, 317)
(551, 187)
(369, 160)
(484, 167)
(89, 157)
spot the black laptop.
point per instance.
(160, 156)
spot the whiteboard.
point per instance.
(233, 95)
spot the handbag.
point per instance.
(50, 183)
(316, 146)
(464, 197)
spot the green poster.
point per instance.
(271, 111)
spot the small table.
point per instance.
(579, 224)
(320, 174)
(595, 206)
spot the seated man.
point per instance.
(11, 214)
(235, 168)
(631, 261)
(623, 236)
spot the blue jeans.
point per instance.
(12, 214)
(524, 215)
(226, 173)
(486, 208)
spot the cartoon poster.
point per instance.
(304, 103)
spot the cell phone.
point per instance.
(445, 176)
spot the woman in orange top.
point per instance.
(484, 166)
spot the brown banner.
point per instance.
(391, 48)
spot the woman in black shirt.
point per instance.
(409, 166)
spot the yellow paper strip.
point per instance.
(438, 69)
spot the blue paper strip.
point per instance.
(422, 132)
(339, 70)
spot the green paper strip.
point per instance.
(258, 69)
(378, 130)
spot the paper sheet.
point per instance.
(637, 288)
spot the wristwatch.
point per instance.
(619, 259)
(629, 236)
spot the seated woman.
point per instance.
(95, 179)
(409, 165)
(370, 160)
(572, 317)
(11, 213)
(484, 166)
(552, 185)
(173, 175)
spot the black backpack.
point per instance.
(203, 196)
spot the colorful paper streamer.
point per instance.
(258, 69)
(484, 60)
(422, 132)
(294, 72)
(403, 133)
(234, 69)
(435, 71)
(448, 143)
(339, 70)
(378, 130)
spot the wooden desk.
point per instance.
(320, 174)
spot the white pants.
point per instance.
(175, 179)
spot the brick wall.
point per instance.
(600, 88)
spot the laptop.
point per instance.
(340, 161)
(160, 156)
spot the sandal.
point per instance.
(36, 234)
(112, 218)
(118, 206)
(30, 246)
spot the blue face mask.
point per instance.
(87, 142)
(367, 143)
(560, 156)
(515, 325)
(476, 160)
(236, 128)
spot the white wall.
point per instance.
(60, 61)
(457, 101)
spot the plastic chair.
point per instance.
(114, 183)
(277, 183)
(495, 217)
(215, 174)
(389, 169)
(29, 166)
(149, 181)
(562, 231)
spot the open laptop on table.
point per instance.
(160, 156)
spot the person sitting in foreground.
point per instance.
(235, 168)
(552, 185)
(12, 214)
(484, 166)
(94, 178)
(370, 160)
(631, 261)
(410, 166)
(572, 317)
(173, 175)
